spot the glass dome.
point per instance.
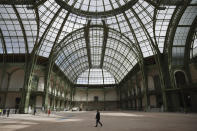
(96, 8)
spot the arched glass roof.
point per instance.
(96, 8)
(127, 28)
(95, 77)
(95, 46)
(18, 29)
(181, 35)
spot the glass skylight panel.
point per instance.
(29, 22)
(46, 13)
(140, 34)
(78, 22)
(95, 76)
(113, 66)
(94, 5)
(11, 29)
(96, 43)
(81, 80)
(186, 19)
(162, 23)
(1, 46)
(178, 54)
(113, 72)
(188, 16)
(181, 35)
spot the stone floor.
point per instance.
(112, 121)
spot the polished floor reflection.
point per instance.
(112, 121)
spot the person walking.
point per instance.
(98, 119)
(8, 112)
(49, 112)
(0, 112)
(34, 111)
(4, 112)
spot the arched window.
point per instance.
(151, 85)
(180, 79)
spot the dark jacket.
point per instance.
(98, 115)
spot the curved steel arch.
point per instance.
(100, 26)
(100, 46)
(85, 47)
(103, 68)
(67, 57)
(116, 62)
(89, 14)
(82, 70)
(83, 56)
(125, 57)
(104, 61)
(74, 40)
(114, 71)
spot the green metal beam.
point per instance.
(157, 3)
(51, 61)
(170, 37)
(18, 2)
(3, 45)
(87, 40)
(32, 63)
(38, 24)
(155, 47)
(3, 42)
(25, 92)
(22, 28)
(58, 35)
(38, 3)
(105, 37)
(157, 59)
(37, 45)
(141, 62)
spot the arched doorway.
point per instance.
(180, 79)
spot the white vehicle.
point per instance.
(66, 109)
(75, 109)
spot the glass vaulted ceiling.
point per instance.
(49, 23)
(96, 47)
(96, 8)
(95, 5)
(96, 76)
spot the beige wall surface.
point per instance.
(81, 95)
(152, 100)
(151, 83)
(38, 101)
(41, 84)
(17, 79)
(11, 99)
